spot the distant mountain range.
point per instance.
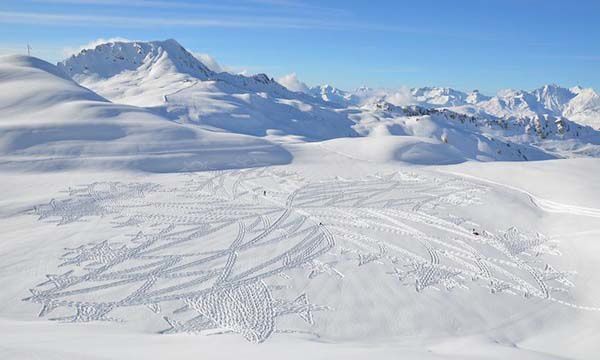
(577, 104)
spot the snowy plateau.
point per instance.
(153, 208)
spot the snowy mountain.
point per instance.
(577, 104)
(475, 97)
(164, 76)
(553, 97)
(439, 96)
(334, 95)
(156, 58)
(584, 108)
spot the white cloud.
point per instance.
(91, 45)
(291, 82)
(220, 20)
(215, 66)
(210, 62)
(400, 97)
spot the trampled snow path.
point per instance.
(217, 251)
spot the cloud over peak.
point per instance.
(292, 82)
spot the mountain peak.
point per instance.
(334, 95)
(475, 97)
(112, 58)
(553, 97)
(439, 96)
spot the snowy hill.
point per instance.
(50, 122)
(446, 136)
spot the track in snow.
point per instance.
(210, 253)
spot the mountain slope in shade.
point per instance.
(50, 122)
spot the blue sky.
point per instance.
(466, 44)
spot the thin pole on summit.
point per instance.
(28, 50)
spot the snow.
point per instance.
(368, 307)
(50, 122)
(439, 96)
(171, 211)
(164, 76)
(585, 108)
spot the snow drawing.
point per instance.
(212, 252)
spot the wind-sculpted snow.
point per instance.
(218, 252)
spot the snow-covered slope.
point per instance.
(50, 122)
(163, 75)
(445, 136)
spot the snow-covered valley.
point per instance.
(155, 208)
